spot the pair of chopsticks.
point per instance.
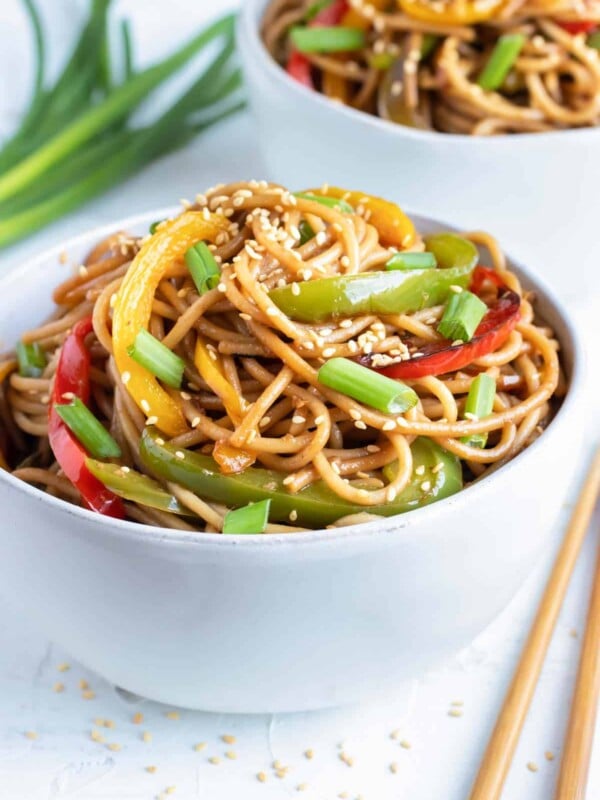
(580, 730)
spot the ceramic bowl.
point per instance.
(538, 191)
(278, 622)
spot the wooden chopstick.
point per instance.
(503, 741)
(579, 738)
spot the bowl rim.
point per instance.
(364, 531)
(248, 37)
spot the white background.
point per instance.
(64, 762)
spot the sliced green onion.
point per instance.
(480, 402)
(380, 61)
(367, 386)
(203, 268)
(249, 519)
(593, 40)
(502, 58)
(327, 39)
(428, 45)
(412, 261)
(316, 8)
(31, 358)
(330, 202)
(153, 228)
(306, 232)
(90, 431)
(464, 311)
(157, 359)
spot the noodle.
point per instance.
(257, 396)
(424, 73)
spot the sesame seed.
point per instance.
(394, 767)
(83, 271)
(30, 735)
(137, 718)
(145, 405)
(58, 687)
(437, 468)
(372, 448)
(64, 667)
(549, 755)
(88, 694)
(83, 684)
(114, 746)
(125, 378)
(360, 425)
(228, 738)
(261, 776)
(390, 495)
(214, 760)
(151, 769)
(151, 420)
(96, 736)
(532, 766)
(146, 737)
(302, 787)
(298, 419)
(160, 442)
(405, 744)
(420, 470)
(389, 425)
(319, 420)
(293, 515)
(287, 480)
(231, 754)
(426, 486)
(348, 760)
(173, 714)
(345, 261)
(455, 712)
(309, 754)
(200, 746)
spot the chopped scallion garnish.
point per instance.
(306, 232)
(412, 261)
(31, 358)
(327, 39)
(428, 45)
(502, 58)
(157, 359)
(479, 404)
(330, 202)
(316, 8)
(203, 268)
(155, 225)
(89, 431)
(463, 314)
(380, 61)
(249, 519)
(367, 386)
(593, 40)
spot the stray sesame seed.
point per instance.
(185, 395)
(360, 425)
(426, 486)
(145, 405)
(228, 738)
(83, 684)
(328, 352)
(180, 455)
(298, 419)
(160, 442)
(64, 667)
(195, 422)
(532, 766)
(302, 787)
(96, 736)
(293, 515)
(319, 420)
(88, 694)
(174, 714)
(146, 737)
(231, 754)
(394, 767)
(151, 769)
(114, 746)
(137, 718)
(405, 744)
(455, 712)
(200, 746)
(549, 755)
(30, 735)
(348, 760)
(389, 425)
(261, 776)
(214, 760)
(395, 735)
(309, 754)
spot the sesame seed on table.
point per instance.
(64, 726)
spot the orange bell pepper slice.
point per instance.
(161, 252)
(395, 228)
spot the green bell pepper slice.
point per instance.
(133, 486)
(316, 506)
(395, 292)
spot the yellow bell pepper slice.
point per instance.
(210, 371)
(133, 307)
(395, 228)
(451, 12)
(354, 19)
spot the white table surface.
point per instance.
(64, 762)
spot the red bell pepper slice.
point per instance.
(73, 378)
(578, 26)
(494, 329)
(298, 65)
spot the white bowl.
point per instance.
(278, 622)
(538, 191)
